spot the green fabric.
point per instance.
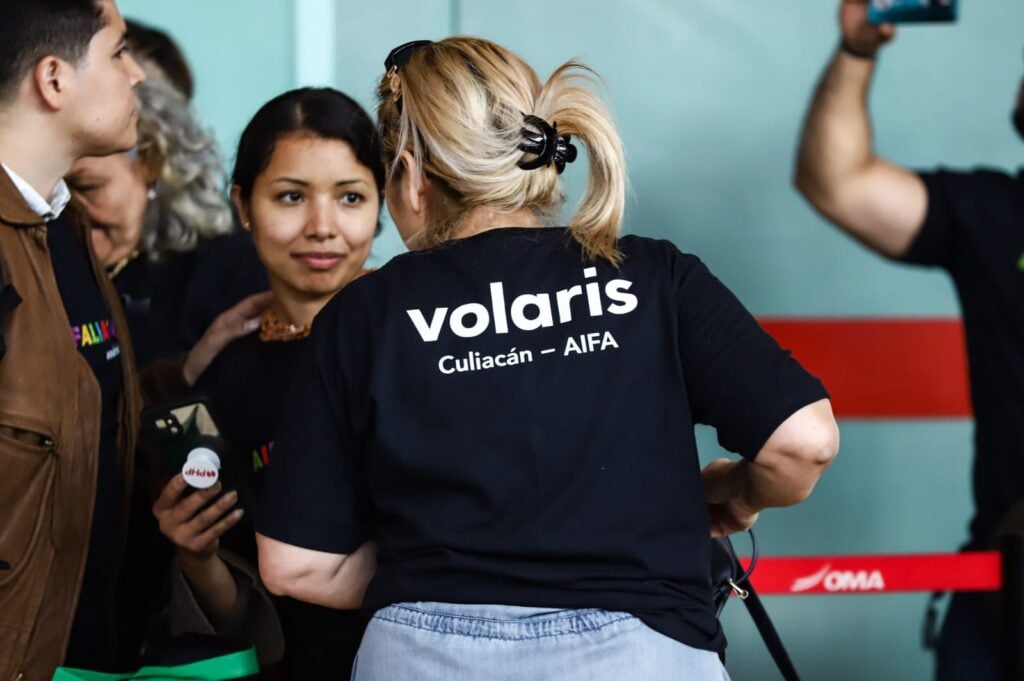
(233, 666)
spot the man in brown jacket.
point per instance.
(69, 397)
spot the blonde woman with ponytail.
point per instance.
(491, 443)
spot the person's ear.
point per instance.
(413, 184)
(51, 80)
(149, 162)
(240, 207)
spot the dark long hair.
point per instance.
(322, 112)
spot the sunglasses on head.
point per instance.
(400, 56)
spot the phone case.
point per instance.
(911, 11)
(180, 427)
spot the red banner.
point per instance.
(969, 571)
(882, 368)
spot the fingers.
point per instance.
(238, 321)
(249, 308)
(208, 516)
(255, 304)
(217, 530)
(242, 319)
(186, 509)
(169, 495)
(195, 530)
(724, 520)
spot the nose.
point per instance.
(320, 223)
(135, 73)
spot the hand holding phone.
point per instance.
(190, 508)
(195, 522)
(859, 35)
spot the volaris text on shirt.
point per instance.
(527, 312)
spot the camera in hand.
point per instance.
(911, 11)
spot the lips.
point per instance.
(320, 260)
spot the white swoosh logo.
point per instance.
(810, 581)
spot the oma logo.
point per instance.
(840, 580)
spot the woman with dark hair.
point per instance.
(308, 185)
(490, 444)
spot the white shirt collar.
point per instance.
(47, 210)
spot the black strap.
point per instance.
(9, 299)
(930, 628)
(744, 588)
(769, 635)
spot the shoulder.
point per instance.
(973, 181)
(225, 244)
(229, 256)
(641, 253)
(354, 308)
(233, 364)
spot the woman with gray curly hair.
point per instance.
(163, 227)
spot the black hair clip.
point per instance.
(546, 144)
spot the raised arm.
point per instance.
(328, 579)
(879, 203)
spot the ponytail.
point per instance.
(569, 100)
(458, 107)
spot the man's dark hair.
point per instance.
(153, 44)
(33, 29)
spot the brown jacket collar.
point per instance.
(14, 210)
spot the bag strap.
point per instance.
(744, 588)
(769, 635)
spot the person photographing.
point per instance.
(970, 224)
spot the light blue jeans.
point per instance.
(448, 642)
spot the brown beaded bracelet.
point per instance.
(854, 52)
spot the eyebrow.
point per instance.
(305, 183)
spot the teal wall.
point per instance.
(709, 95)
(242, 51)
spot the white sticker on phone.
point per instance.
(202, 469)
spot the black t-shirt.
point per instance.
(515, 426)
(974, 229)
(95, 336)
(245, 389)
(170, 303)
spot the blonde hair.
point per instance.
(458, 107)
